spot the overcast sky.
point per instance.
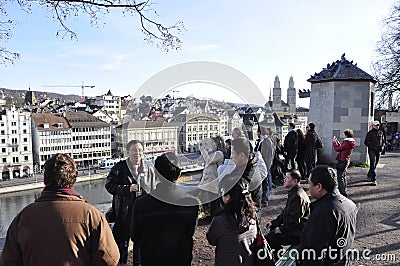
(261, 39)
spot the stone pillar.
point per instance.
(341, 97)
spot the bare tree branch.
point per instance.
(165, 37)
(386, 67)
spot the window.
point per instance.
(3, 150)
(26, 158)
(14, 124)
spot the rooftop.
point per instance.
(342, 69)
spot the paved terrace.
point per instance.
(378, 223)
(378, 220)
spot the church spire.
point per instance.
(270, 93)
(291, 82)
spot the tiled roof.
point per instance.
(147, 124)
(193, 117)
(55, 121)
(83, 119)
(341, 70)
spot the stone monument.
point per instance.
(342, 96)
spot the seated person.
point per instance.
(286, 228)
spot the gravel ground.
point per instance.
(378, 220)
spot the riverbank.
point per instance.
(16, 185)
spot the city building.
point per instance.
(15, 143)
(229, 120)
(112, 105)
(157, 136)
(276, 104)
(91, 138)
(51, 134)
(192, 128)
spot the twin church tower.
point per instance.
(275, 102)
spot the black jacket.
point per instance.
(375, 140)
(118, 183)
(330, 226)
(163, 226)
(290, 144)
(293, 217)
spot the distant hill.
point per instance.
(17, 96)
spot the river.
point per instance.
(12, 203)
(93, 191)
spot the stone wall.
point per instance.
(336, 106)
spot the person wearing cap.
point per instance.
(375, 141)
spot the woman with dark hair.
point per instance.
(219, 141)
(343, 158)
(234, 229)
(277, 164)
(228, 144)
(246, 167)
(301, 148)
(313, 143)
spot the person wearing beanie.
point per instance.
(374, 140)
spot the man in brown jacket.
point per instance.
(60, 227)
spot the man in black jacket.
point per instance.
(330, 229)
(127, 180)
(165, 220)
(375, 142)
(286, 228)
(290, 147)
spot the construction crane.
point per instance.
(83, 86)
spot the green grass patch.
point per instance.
(362, 165)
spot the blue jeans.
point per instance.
(373, 162)
(266, 187)
(341, 169)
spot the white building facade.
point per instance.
(15, 144)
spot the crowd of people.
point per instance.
(160, 219)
